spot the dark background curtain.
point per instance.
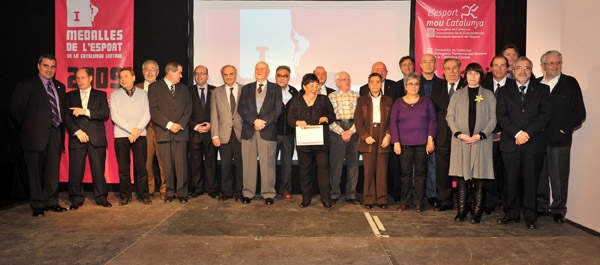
(161, 33)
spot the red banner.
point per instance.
(456, 28)
(97, 34)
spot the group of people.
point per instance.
(502, 137)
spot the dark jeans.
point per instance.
(139, 148)
(413, 190)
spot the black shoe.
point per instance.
(55, 208)
(195, 194)
(488, 210)
(530, 224)
(246, 200)
(225, 197)
(269, 201)
(327, 205)
(304, 205)
(559, 218)
(214, 195)
(354, 201)
(383, 206)
(459, 217)
(432, 201)
(334, 200)
(544, 213)
(168, 199)
(146, 201)
(439, 206)
(75, 206)
(105, 204)
(183, 200)
(38, 213)
(368, 206)
(505, 220)
(123, 202)
(239, 198)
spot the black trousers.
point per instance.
(123, 150)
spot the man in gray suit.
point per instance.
(171, 108)
(226, 132)
(260, 105)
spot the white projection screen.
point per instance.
(338, 35)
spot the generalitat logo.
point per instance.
(470, 11)
(81, 13)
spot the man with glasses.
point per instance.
(568, 112)
(285, 133)
(523, 110)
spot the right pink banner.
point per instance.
(456, 28)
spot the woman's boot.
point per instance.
(461, 200)
(478, 201)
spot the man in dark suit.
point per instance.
(428, 80)
(568, 113)
(37, 107)
(389, 87)
(202, 152)
(170, 108)
(440, 95)
(285, 133)
(321, 74)
(226, 132)
(260, 106)
(494, 81)
(87, 136)
(523, 111)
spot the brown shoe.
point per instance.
(287, 195)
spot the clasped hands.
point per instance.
(384, 142)
(134, 135)
(302, 123)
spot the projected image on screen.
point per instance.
(339, 35)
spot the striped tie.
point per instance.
(172, 89)
(53, 104)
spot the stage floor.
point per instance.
(208, 231)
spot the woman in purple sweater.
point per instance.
(413, 126)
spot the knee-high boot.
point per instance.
(461, 200)
(478, 201)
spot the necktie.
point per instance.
(451, 90)
(232, 100)
(496, 91)
(53, 104)
(522, 88)
(85, 98)
(260, 88)
(172, 89)
(202, 97)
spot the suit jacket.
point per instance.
(282, 127)
(363, 122)
(269, 112)
(93, 125)
(199, 114)
(435, 80)
(30, 110)
(441, 99)
(531, 115)
(391, 89)
(488, 83)
(221, 118)
(165, 108)
(568, 111)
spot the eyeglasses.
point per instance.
(284, 76)
(412, 84)
(553, 63)
(200, 73)
(523, 68)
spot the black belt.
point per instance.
(376, 124)
(342, 120)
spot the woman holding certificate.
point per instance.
(314, 112)
(372, 120)
(413, 125)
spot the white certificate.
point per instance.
(312, 135)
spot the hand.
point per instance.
(259, 124)
(473, 139)
(82, 136)
(497, 139)
(301, 124)
(430, 146)
(346, 135)
(136, 132)
(203, 127)
(175, 128)
(397, 148)
(386, 141)
(370, 140)
(77, 111)
(522, 138)
(216, 142)
(132, 139)
(323, 120)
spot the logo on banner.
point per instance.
(81, 13)
(470, 10)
